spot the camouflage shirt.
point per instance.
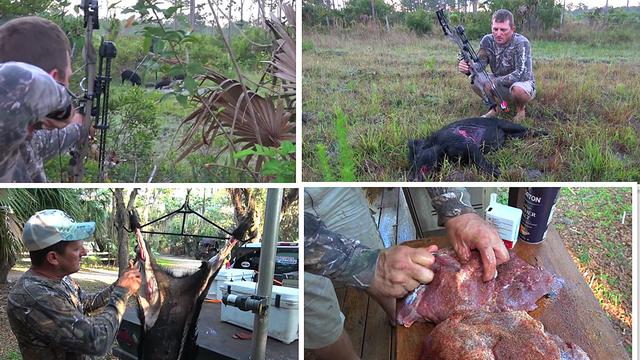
(27, 94)
(44, 145)
(50, 321)
(509, 63)
(351, 263)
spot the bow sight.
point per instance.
(94, 106)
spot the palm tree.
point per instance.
(17, 205)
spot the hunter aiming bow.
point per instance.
(479, 76)
(93, 105)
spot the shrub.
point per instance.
(419, 21)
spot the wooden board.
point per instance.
(574, 315)
(355, 310)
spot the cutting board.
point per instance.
(575, 315)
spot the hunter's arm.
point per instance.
(57, 322)
(337, 257)
(91, 302)
(450, 202)
(484, 53)
(49, 143)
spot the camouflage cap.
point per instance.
(48, 227)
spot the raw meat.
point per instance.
(457, 286)
(480, 335)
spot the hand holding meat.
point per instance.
(401, 269)
(468, 232)
(130, 280)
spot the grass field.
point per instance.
(396, 86)
(595, 225)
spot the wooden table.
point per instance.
(575, 315)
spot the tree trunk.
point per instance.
(9, 241)
(5, 267)
(120, 222)
(192, 14)
(373, 10)
(123, 243)
(261, 13)
(230, 23)
(290, 197)
(244, 209)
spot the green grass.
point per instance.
(591, 226)
(13, 355)
(395, 86)
(583, 253)
(165, 262)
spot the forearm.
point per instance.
(91, 302)
(66, 327)
(450, 202)
(49, 143)
(329, 254)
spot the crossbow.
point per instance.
(95, 100)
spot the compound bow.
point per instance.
(91, 103)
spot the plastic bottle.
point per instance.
(537, 211)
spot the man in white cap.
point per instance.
(48, 310)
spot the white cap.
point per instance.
(48, 227)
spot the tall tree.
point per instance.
(121, 220)
(244, 209)
(10, 244)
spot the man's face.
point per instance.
(69, 262)
(502, 31)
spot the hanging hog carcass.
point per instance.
(169, 305)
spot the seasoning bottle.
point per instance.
(537, 210)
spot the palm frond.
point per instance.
(283, 63)
(249, 117)
(10, 235)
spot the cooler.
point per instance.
(226, 275)
(283, 310)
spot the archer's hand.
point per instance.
(469, 231)
(48, 124)
(77, 118)
(463, 67)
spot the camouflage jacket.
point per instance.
(27, 94)
(44, 145)
(50, 321)
(510, 63)
(351, 263)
